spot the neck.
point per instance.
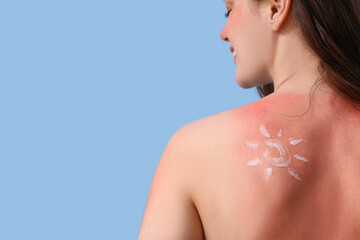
(294, 68)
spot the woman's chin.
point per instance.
(244, 82)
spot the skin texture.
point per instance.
(203, 187)
(235, 201)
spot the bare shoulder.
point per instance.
(285, 138)
(264, 163)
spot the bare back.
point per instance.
(271, 173)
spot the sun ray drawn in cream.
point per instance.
(254, 162)
(268, 173)
(285, 158)
(294, 141)
(264, 131)
(301, 158)
(253, 144)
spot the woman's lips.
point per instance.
(234, 53)
(231, 49)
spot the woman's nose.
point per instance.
(224, 33)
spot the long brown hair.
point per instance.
(331, 28)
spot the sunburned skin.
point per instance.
(285, 157)
(273, 170)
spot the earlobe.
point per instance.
(279, 10)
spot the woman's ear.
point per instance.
(279, 10)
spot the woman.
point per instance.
(282, 167)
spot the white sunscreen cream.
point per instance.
(253, 144)
(294, 141)
(268, 173)
(264, 131)
(254, 162)
(277, 154)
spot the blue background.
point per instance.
(90, 94)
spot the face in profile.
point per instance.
(251, 37)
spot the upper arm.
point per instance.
(170, 212)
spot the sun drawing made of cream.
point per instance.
(277, 146)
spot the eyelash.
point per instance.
(227, 14)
